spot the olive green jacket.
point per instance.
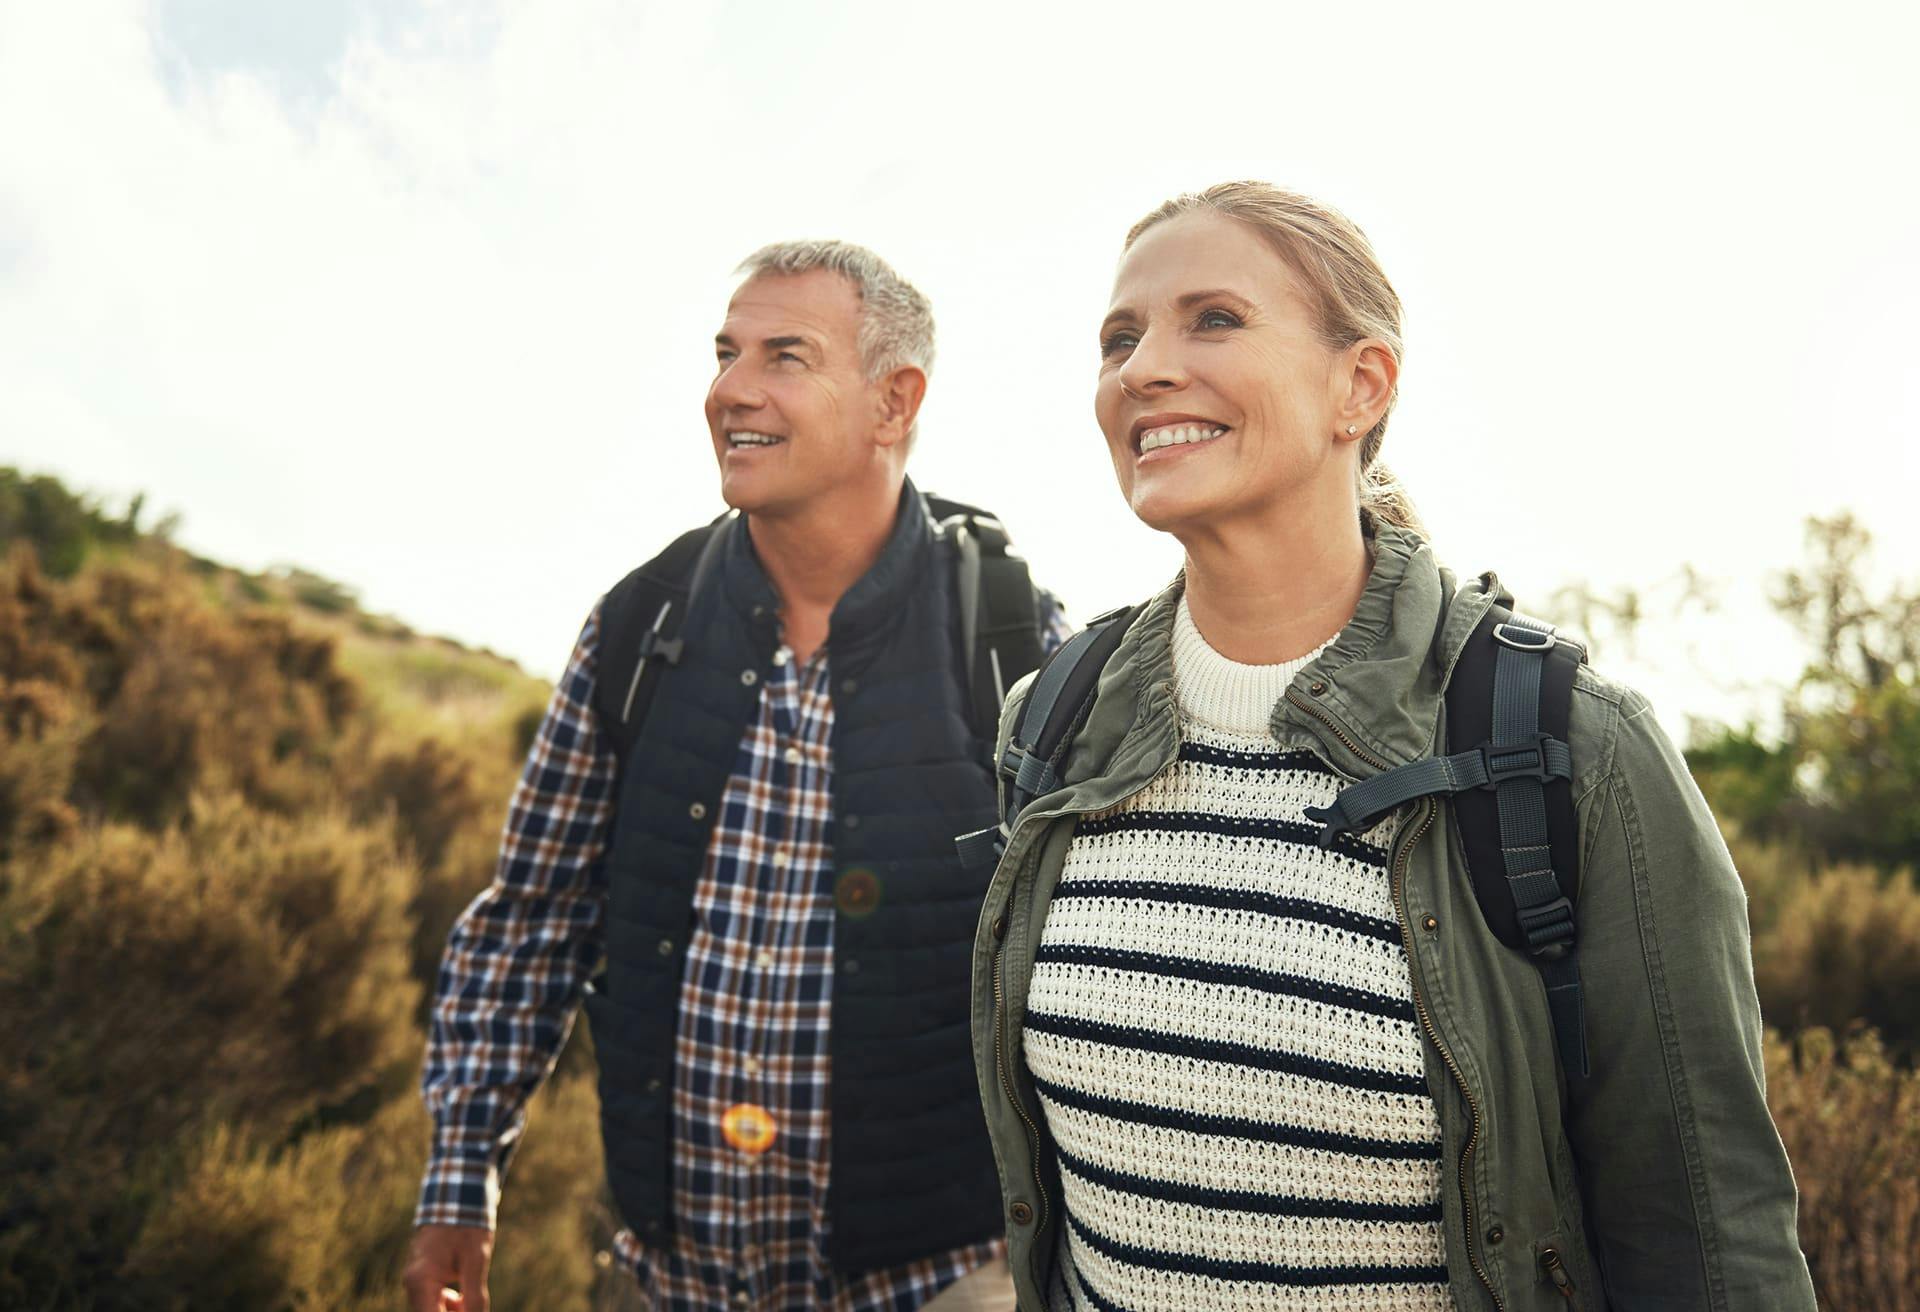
(1658, 1182)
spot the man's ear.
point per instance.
(897, 400)
(1370, 375)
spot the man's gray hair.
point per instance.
(896, 320)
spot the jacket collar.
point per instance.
(1371, 700)
(869, 609)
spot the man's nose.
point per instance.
(733, 389)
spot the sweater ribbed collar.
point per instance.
(1222, 693)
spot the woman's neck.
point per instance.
(1271, 590)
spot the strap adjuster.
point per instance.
(1521, 760)
(1548, 927)
(1031, 774)
(1523, 639)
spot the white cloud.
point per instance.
(428, 311)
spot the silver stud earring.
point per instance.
(1351, 430)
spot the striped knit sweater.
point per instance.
(1222, 1031)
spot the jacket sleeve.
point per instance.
(1685, 1182)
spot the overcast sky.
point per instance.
(421, 295)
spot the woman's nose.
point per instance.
(1153, 366)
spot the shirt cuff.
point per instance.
(459, 1191)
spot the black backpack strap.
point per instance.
(1055, 708)
(1510, 696)
(1000, 641)
(640, 620)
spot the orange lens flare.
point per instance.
(857, 893)
(748, 1128)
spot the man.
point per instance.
(744, 796)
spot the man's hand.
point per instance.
(444, 1255)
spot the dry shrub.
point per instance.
(183, 697)
(1843, 950)
(246, 970)
(1850, 1119)
(324, 1224)
(41, 731)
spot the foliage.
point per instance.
(233, 832)
(1850, 1119)
(1843, 779)
(63, 528)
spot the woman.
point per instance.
(1225, 1067)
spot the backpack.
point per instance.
(640, 619)
(1508, 773)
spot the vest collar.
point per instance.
(869, 609)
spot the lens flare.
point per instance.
(748, 1128)
(857, 892)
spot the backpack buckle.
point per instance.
(1521, 760)
(667, 649)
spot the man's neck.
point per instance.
(1272, 588)
(814, 555)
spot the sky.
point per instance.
(420, 295)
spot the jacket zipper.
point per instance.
(1000, 1029)
(1406, 846)
(1006, 1077)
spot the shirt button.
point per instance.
(1021, 1213)
(698, 810)
(749, 677)
(666, 947)
(653, 1085)
(851, 967)
(764, 960)
(751, 1065)
(794, 756)
(741, 1298)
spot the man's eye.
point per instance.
(1117, 342)
(1217, 319)
(789, 355)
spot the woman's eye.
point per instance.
(1218, 319)
(1117, 342)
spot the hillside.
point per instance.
(238, 814)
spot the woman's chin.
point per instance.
(1164, 506)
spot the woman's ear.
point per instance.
(1370, 373)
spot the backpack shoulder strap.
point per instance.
(1509, 697)
(640, 619)
(1055, 708)
(1000, 641)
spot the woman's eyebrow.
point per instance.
(1191, 299)
(1119, 316)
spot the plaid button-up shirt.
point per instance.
(755, 1002)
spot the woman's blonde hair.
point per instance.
(1352, 300)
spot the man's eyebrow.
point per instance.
(790, 339)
